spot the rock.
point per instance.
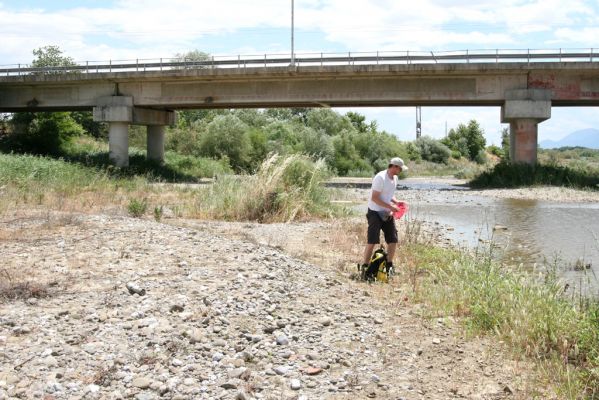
(281, 370)
(229, 385)
(134, 288)
(295, 384)
(326, 321)
(141, 382)
(282, 340)
(313, 370)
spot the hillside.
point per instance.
(582, 138)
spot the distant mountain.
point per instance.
(583, 138)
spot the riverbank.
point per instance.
(459, 187)
(118, 307)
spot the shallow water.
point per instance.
(564, 236)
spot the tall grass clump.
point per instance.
(507, 175)
(532, 316)
(283, 189)
(28, 171)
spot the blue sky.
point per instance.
(103, 30)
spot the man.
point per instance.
(381, 206)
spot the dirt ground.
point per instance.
(229, 310)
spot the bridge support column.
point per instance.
(524, 109)
(155, 143)
(523, 140)
(118, 143)
(119, 112)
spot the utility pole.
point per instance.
(418, 122)
(292, 29)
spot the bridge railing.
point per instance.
(313, 59)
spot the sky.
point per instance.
(136, 29)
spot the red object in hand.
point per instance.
(402, 208)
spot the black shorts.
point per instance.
(376, 223)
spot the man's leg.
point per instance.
(368, 253)
(391, 251)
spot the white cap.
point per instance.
(399, 162)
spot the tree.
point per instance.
(192, 58)
(358, 121)
(329, 121)
(226, 137)
(432, 150)
(469, 140)
(51, 56)
(505, 143)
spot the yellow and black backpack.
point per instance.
(378, 268)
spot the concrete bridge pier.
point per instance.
(524, 109)
(155, 143)
(120, 112)
(118, 143)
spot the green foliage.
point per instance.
(137, 208)
(283, 189)
(225, 137)
(85, 120)
(51, 56)
(41, 133)
(347, 158)
(505, 144)
(192, 57)
(495, 150)
(468, 139)
(515, 175)
(26, 170)
(328, 120)
(158, 213)
(533, 317)
(432, 150)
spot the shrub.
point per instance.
(283, 189)
(226, 136)
(41, 133)
(137, 208)
(514, 175)
(432, 150)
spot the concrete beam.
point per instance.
(151, 117)
(122, 109)
(526, 104)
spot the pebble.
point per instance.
(155, 310)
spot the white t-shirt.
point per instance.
(382, 183)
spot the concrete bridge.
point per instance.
(146, 93)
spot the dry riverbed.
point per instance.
(119, 307)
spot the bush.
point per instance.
(432, 150)
(284, 189)
(41, 133)
(137, 208)
(515, 175)
(226, 137)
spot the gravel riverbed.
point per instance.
(180, 309)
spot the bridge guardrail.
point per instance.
(312, 59)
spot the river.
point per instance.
(533, 233)
(558, 235)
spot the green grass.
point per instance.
(505, 175)
(284, 189)
(176, 168)
(532, 316)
